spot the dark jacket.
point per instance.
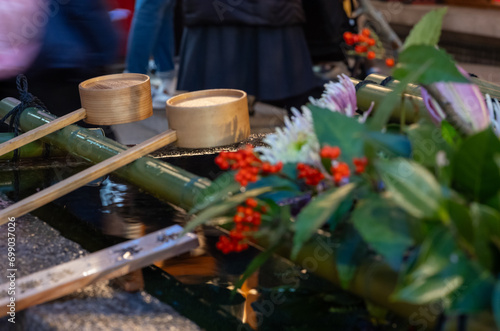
(243, 12)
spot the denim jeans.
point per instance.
(152, 34)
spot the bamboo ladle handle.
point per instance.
(42, 131)
(72, 183)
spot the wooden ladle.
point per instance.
(229, 117)
(106, 100)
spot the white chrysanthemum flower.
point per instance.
(340, 97)
(296, 142)
(494, 110)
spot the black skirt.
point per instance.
(271, 63)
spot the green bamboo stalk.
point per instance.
(35, 149)
(161, 179)
(412, 106)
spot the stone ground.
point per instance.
(99, 307)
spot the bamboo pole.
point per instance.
(28, 151)
(161, 179)
(411, 105)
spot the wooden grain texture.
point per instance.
(72, 183)
(109, 263)
(205, 125)
(116, 99)
(42, 131)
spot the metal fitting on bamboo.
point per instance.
(161, 179)
(411, 105)
(412, 89)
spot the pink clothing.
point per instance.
(22, 24)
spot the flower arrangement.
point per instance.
(424, 198)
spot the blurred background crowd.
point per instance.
(264, 47)
(278, 51)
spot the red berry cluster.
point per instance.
(340, 170)
(329, 152)
(360, 164)
(249, 166)
(246, 220)
(312, 175)
(362, 44)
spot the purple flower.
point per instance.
(466, 101)
(341, 97)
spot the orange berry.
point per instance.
(251, 203)
(371, 55)
(366, 32)
(389, 62)
(371, 42)
(360, 49)
(348, 38)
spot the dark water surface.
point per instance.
(280, 296)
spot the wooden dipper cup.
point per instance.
(209, 118)
(106, 100)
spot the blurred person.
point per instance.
(19, 43)
(152, 34)
(324, 28)
(257, 46)
(76, 41)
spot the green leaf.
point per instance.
(224, 206)
(220, 189)
(474, 171)
(450, 134)
(335, 129)
(487, 232)
(412, 186)
(474, 297)
(460, 218)
(386, 228)
(436, 287)
(441, 67)
(382, 112)
(441, 272)
(342, 213)
(426, 141)
(391, 144)
(436, 253)
(316, 213)
(428, 30)
(495, 303)
(351, 251)
(289, 188)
